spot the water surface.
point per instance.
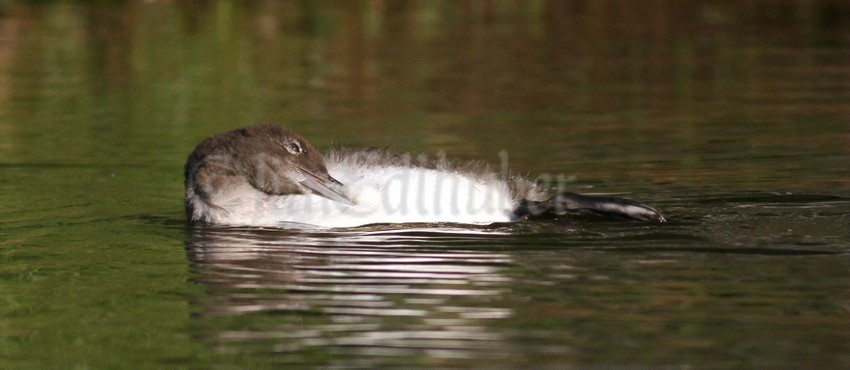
(732, 118)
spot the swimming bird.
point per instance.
(268, 175)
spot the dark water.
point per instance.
(731, 117)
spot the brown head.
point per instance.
(273, 159)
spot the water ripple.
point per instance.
(451, 293)
(347, 284)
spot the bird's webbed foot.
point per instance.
(609, 207)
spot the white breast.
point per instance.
(388, 195)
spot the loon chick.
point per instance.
(267, 175)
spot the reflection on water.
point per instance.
(387, 292)
(581, 290)
(729, 116)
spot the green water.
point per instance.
(732, 118)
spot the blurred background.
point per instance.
(641, 83)
(731, 116)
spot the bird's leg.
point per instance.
(611, 207)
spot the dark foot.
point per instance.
(604, 206)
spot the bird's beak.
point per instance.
(326, 186)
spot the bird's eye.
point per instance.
(294, 148)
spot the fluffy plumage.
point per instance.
(267, 175)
